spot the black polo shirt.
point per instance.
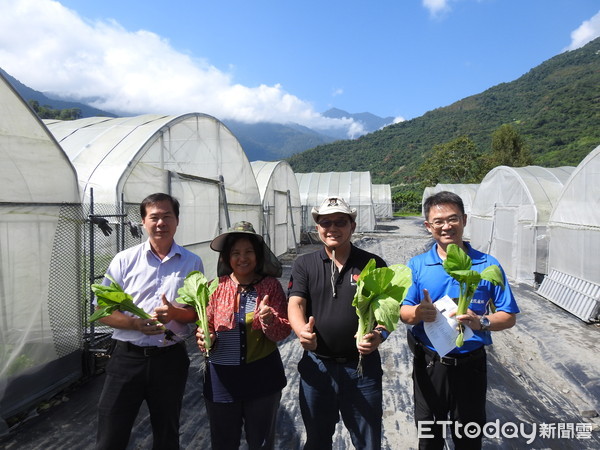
(336, 321)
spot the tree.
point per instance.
(47, 112)
(457, 161)
(508, 149)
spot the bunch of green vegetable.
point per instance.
(113, 298)
(379, 294)
(458, 266)
(196, 292)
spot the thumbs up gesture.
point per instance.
(426, 311)
(265, 312)
(165, 312)
(308, 338)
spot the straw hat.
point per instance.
(271, 265)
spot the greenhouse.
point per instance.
(382, 201)
(573, 280)
(280, 198)
(509, 217)
(465, 191)
(354, 187)
(40, 222)
(193, 157)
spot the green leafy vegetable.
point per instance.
(458, 266)
(112, 298)
(379, 294)
(196, 292)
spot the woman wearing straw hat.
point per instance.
(248, 315)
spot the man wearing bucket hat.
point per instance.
(247, 315)
(321, 290)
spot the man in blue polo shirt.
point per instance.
(452, 387)
(320, 311)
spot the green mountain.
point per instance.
(555, 107)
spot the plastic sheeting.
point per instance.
(382, 201)
(280, 197)
(573, 280)
(509, 217)
(39, 182)
(465, 191)
(354, 187)
(191, 156)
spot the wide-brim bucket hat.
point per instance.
(332, 205)
(271, 265)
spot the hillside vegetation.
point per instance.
(555, 108)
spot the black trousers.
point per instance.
(257, 417)
(159, 378)
(449, 390)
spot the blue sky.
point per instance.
(284, 61)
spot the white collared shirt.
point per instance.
(146, 278)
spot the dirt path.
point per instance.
(544, 370)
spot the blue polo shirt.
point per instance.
(428, 273)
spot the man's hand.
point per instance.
(147, 326)
(369, 343)
(308, 338)
(425, 311)
(164, 313)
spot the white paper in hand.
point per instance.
(442, 332)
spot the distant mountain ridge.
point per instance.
(371, 122)
(31, 94)
(261, 141)
(555, 107)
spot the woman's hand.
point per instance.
(200, 339)
(266, 314)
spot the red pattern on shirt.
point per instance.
(220, 309)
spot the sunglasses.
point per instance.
(339, 223)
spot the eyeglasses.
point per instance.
(439, 223)
(339, 223)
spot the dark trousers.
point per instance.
(445, 392)
(328, 388)
(131, 378)
(257, 416)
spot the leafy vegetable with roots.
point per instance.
(113, 298)
(458, 266)
(196, 292)
(379, 294)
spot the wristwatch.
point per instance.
(382, 332)
(484, 322)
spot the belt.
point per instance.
(454, 360)
(335, 359)
(148, 351)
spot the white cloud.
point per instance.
(436, 7)
(337, 92)
(587, 31)
(398, 119)
(133, 72)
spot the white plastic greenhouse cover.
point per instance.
(509, 217)
(573, 280)
(354, 187)
(280, 197)
(183, 155)
(38, 183)
(382, 201)
(465, 191)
